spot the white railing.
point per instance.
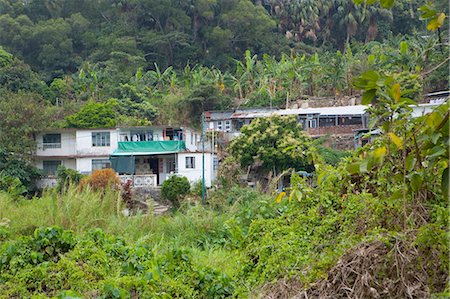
(46, 182)
(140, 180)
(51, 145)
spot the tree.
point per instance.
(22, 115)
(94, 115)
(276, 143)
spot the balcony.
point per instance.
(140, 180)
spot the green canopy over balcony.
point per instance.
(143, 148)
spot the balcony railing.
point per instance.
(140, 180)
(51, 145)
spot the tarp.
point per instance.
(142, 148)
(123, 164)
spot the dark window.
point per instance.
(51, 141)
(50, 167)
(327, 121)
(190, 162)
(170, 165)
(101, 139)
(98, 164)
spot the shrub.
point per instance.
(66, 177)
(12, 185)
(174, 188)
(127, 193)
(100, 180)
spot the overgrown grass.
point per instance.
(243, 240)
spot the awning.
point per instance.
(144, 148)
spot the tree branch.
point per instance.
(436, 67)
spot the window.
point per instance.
(170, 165)
(50, 167)
(98, 164)
(312, 123)
(219, 126)
(140, 135)
(190, 162)
(227, 126)
(51, 141)
(215, 164)
(101, 139)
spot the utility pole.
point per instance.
(203, 158)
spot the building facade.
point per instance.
(145, 155)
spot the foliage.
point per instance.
(67, 177)
(101, 180)
(11, 185)
(17, 175)
(276, 142)
(21, 116)
(94, 115)
(174, 188)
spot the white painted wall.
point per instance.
(84, 143)
(195, 174)
(67, 145)
(84, 165)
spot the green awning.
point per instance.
(142, 148)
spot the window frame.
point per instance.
(99, 141)
(189, 162)
(99, 161)
(54, 162)
(46, 144)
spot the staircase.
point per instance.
(158, 208)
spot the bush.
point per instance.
(66, 177)
(11, 185)
(174, 188)
(100, 180)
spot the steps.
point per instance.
(158, 208)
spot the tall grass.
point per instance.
(82, 210)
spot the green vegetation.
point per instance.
(174, 188)
(371, 224)
(385, 206)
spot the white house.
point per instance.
(145, 155)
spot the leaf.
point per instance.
(295, 195)
(353, 168)
(436, 152)
(444, 183)
(396, 140)
(396, 92)
(404, 47)
(436, 22)
(280, 197)
(368, 96)
(387, 3)
(416, 181)
(410, 162)
(363, 166)
(379, 153)
(397, 194)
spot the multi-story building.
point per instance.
(146, 155)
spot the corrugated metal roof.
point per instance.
(338, 110)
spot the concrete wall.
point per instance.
(84, 165)
(195, 174)
(84, 143)
(67, 145)
(333, 130)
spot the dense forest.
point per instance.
(153, 61)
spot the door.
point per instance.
(154, 166)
